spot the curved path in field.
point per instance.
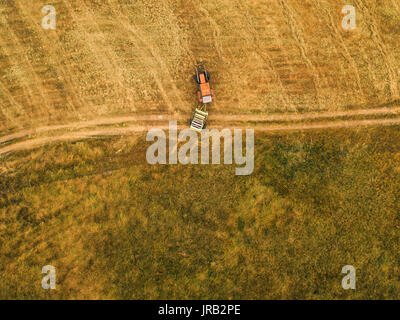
(92, 128)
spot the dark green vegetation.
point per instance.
(115, 227)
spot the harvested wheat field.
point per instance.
(118, 58)
(77, 193)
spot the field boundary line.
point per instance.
(216, 117)
(73, 136)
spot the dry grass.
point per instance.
(114, 57)
(115, 227)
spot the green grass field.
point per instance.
(116, 227)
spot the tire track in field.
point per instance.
(386, 56)
(217, 117)
(219, 120)
(83, 20)
(12, 101)
(333, 27)
(11, 60)
(52, 43)
(296, 32)
(111, 56)
(27, 63)
(264, 55)
(396, 6)
(216, 31)
(29, 144)
(155, 55)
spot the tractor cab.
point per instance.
(205, 94)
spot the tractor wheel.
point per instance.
(190, 121)
(196, 79)
(207, 75)
(205, 125)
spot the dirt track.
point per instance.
(78, 135)
(217, 117)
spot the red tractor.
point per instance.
(205, 93)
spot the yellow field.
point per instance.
(109, 58)
(325, 105)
